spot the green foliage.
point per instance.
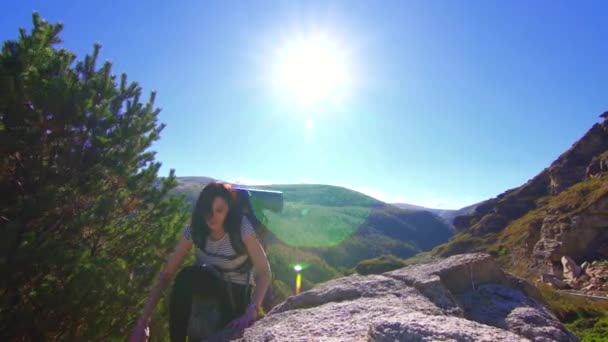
(86, 223)
(420, 258)
(278, 292)
(379, 265)
(588, 319)
(283, 258)
(462, 243)
(590, 329)
(580, 196)
(419, 228)
(361, 247)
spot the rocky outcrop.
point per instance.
(554, 281)
(583, 236)
(596, 282)
(571, 269)
(590, 279)
(462, 298)
(587, 158)
(570, 168)
(598, 166)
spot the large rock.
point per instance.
(571, 269)
(462, 298)
(581, 236)
(597, 166)
(554, 281)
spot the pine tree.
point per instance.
(86, 224)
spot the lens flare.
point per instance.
(302, 224)
(298, 223)
(298, 282)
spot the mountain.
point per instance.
(561, 211)
(408, 206)
(447, 214)
(191, 187)
(544, 229)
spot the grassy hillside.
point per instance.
(324, 195)
(513, 244)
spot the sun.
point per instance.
(311, 70)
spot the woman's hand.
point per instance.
(140, 334)
(245, 321)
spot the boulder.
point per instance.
(571, 269)
(554, 281)
(462, 298)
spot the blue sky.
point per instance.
(444, 103)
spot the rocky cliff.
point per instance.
(586, 159)
(563, 211)
(462, 298)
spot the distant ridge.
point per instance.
(447, 214)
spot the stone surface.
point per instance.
(554, 281)
(462, 298)
(416, 327)
(509, 309)
(571, 269)
(581, 237)
(598, 166)
(595, 280)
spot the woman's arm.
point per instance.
(175, 260)
(261, 268)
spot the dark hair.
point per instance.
(203, 209)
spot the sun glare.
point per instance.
(311, 69)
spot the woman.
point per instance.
(217, 224)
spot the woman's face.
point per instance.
(219, 210)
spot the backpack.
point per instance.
(252, 203)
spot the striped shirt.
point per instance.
(221, 254)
